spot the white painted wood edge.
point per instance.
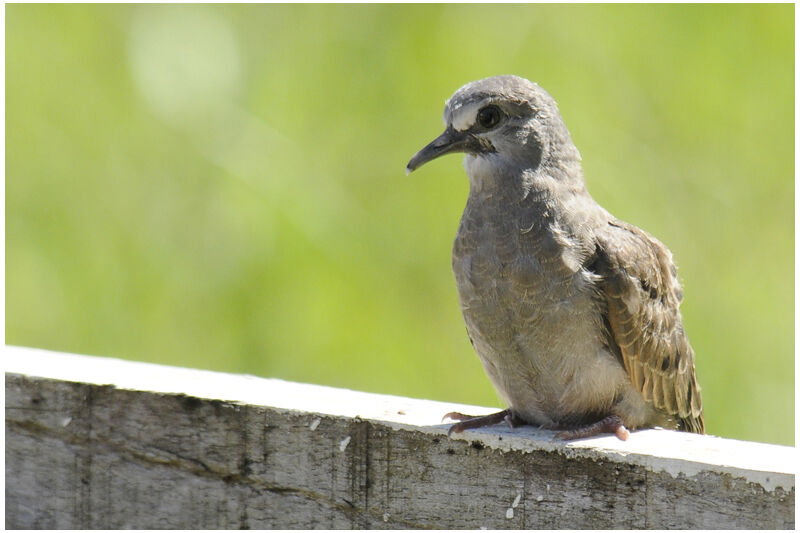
(769, 465)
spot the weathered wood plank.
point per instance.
(102, 443)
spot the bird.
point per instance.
(573, 313)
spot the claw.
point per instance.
(457, 416)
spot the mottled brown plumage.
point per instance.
(573, 313)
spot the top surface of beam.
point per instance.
(768, 465)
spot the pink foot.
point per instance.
(610, 424)
(472, 422)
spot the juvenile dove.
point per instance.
(573, 313)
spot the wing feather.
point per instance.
(642, 293)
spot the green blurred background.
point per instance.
(223, 186)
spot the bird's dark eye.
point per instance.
(489, 116)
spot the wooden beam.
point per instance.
(102, 443)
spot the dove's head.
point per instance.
(503, 121)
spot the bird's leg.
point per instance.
(610, 424)
(472, 422)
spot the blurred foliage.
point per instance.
(223, 186)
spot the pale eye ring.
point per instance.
(489, 116)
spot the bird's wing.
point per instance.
(642, 293)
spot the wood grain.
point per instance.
(104, 453)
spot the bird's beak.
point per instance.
(449, 141)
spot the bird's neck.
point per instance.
(504, 180)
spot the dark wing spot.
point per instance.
(651, 291)
(598, 262)
(679, 294)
